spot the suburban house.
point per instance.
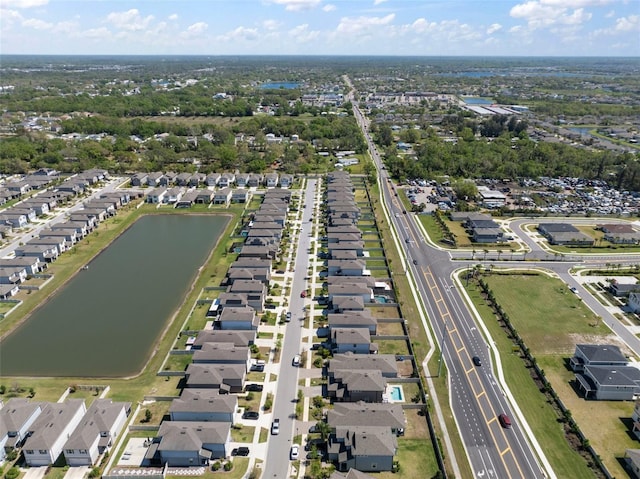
(242, 317)
(635, 417)
(222, 196)
(271, 180)
(157, 195)
(172, 195)
(255, 180)
(8, 290)
(154, 179)
(355, 340)
(237, 338)
(620, 289)
(96, 432)
(347, 268)
(351, 289)
(79, 226)
(355, 319)
(188, 199)
(632, 460)
(59, 242)
(222, 353)
(32, 264)
(365, 414)
(605, 383)
(30, 213)
(204, 405)
(212, 179)
(139, 179)
(238, 274)
(204, 197)
(353, 386)
(226, 179)
(242, 179)
(50, 431)
(254, 290)
(286, 180)
(69, 234)
(597, 355)
(225, 377)
(342, 304)
(385, 363)
(12, 275)
(240, 195)
(14, 219)
(351, 474)
(357, 246)
(43, 252)
(41, 207)
(16, 418)
(185, 443)
(365, 448)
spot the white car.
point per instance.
(294, 454)
(296, 360)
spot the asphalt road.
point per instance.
(277, 460)
(476, 397)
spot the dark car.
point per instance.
(504, 420)
(253, 387)
(477, 361)
(415, 261)
(303, 294)
(240, 451)
(250, 415)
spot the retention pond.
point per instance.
(107, 320)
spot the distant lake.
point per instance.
(106, 322)
(278, 85)
(477, 101)
(581, 130)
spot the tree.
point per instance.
(324, 429)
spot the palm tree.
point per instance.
(499, 251)
(486, 251)
(511, 250)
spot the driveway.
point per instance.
(79, 472)
(35, 472)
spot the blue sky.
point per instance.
(322, 27)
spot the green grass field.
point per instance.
(552, 320)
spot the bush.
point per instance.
(268, 402)
(95, 472)
(318, 401)
(3, 389)
(228, 466)
(215, 466)
(12, 473)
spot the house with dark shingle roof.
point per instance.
(205, 405)
(16, 418)
(237, 338)
(354, 319)
(366, 385)
(49, 432)
(225, 377)
(240, 317)
(365, 414)
(97, 432)
(605, 383)
(365, 448)
(222, 353)
(385, 363)
(184, 444)
(597, 355)
(355, 340)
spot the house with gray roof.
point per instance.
(347, 268)
(16, 220)
(204, 197)
(205, 405)
(632, 461)
(156, 196)
(16, 418)
(12, 275)
(251, 263)
(79, 226)
(222, 353)
(342, 304)
(44, 252)
(32, 264)
(8, 290)
(286, 180)
(50, 431)
(366, 385)
(355, 340)
(222, 196)
(255, 180)
(564, 234)
(351, 474)
(385, 363)
(368, 414)
(238, 317)
(30, 213)
(597, 355)
(271, 180)
(354, 319)
(225, 377)
(212, 179)
(365, 448)
(351, 289)
(58, 241)
(69, 234)
(236, 274)
(240, 195)
(237, 338)
(97, 432)
(605, 383)
(185, 443)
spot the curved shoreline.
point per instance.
(153, 350)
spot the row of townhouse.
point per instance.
(220, 180)
(33, 256)
(44, 430)
(363, 427)
(200, 420)
(181, 197)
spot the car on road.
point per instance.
(415, 261)
(275, 427)
(294, 454)
(296, 360)
(477, 361)
(574, 289)
(287, 317)
(257, 388)
(303, 294)
(504, 420)
(240, 451)
(250, 415)
(407, 240)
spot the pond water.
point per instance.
(286, 85)
(106, 321)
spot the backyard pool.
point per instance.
(396, 394)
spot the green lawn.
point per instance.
(539, 414)
(416, 459)
(551, 320)
(432, 227)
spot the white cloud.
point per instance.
(493, 28)
(240, 33)
(10, 16)
(628, 24)
(575, 3)
(23, 3)
(302, 34)
(131, 20)
(355, 25)
(197, 28)
(173, 16)
(298, 5)
(329, 7)
(378, 2)
(101, 33)
(545, 13)
(271, 24)
(37, 24)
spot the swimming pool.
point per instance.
(396, 394)
(381, 299)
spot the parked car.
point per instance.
(240, 451)
(477, 361)
(294, 454)
(287, 318)
(254, 387)
(258, 366)
(250, 415)
(296, 360)
(504, 420)
(303, 294)
(275, 427)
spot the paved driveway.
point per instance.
(79, 472)
(35, 472)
